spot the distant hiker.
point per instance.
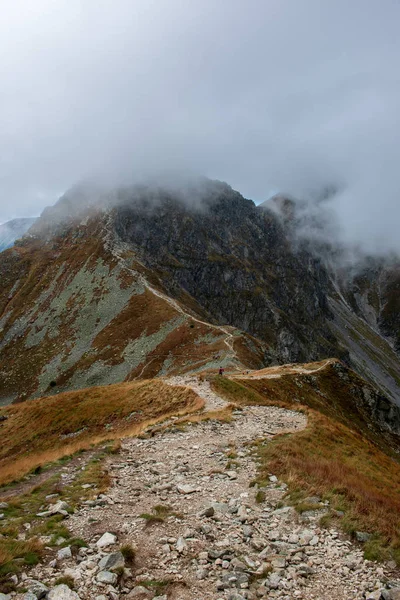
(221, 371)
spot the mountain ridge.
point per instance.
(168, 276)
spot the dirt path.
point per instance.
(278, 371)
(184, 499)
(202, 388)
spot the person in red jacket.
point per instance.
(221, 371)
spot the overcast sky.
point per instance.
(268, 95)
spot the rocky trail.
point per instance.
(184, 501)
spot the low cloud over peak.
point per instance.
(269, 96)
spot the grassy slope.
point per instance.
(35, 431)
(337, 456)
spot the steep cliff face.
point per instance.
(373, 292)
(234, 260)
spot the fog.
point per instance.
(268, 95)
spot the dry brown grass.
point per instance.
(35, 431)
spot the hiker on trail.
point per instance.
(221, 371)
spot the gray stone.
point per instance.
(273, 581)
(221, 507)
(393, 594)
(64, 553)
(185, 489)
(207, 512)
(238, 565)
(304, 570)
(247, 531)
(312, 500)
(3, 505)
(362, 536)
(60, 508)
(112, 562)
(107, 539)
(181, 545)
(106, 577)
(62, 592)
(5, 596)
(375, 595)
(37, 588)
(28, 596)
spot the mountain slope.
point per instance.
(149, 281)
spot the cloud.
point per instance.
(267, 95)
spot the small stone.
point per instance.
(181, 545)
(274, 535)
(106, 577)
(304, 570)
(247, 531)
(112, 562)
(185, 489)
(238, 565)
(5, 596)
(207, 512)
(273, 478)
(376, 595)
(60, 508)
(64, 553)
(362, 536)
(107, 539)
(273, 581)
(393, 594)
(201, 574)
(3, 505)
(279, 562)
(37, 588)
